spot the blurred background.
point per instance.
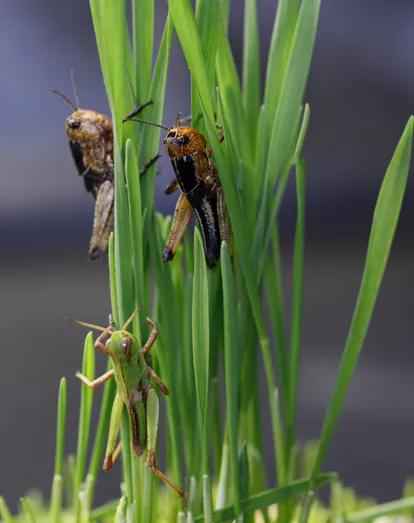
(361, 90)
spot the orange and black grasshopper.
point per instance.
(201, 192)
(90, 137)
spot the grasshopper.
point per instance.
(90, 136)
(136, 383)
(201, 193)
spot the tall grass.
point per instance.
(213, 333)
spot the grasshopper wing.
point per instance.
(103, 221)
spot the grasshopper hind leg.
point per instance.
(152, 465)
(137, 416)
(111, 452)
(182, 217)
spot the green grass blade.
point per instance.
(306, 507)
(191, 500)
(105, 511)
(135, 223)
(127, 458)
(269, 497)
(251, 66)
(61, 427)
(5, 513)
(221, 494)
(150, 139)
(143, 42)
(56, 499)
(120, 511)
(201, 341)
(28, 511)
(188, 34)
(102, 430)
(98, 24)
(167, 313)
(85, 413)
(244, 472)
(152, 415)
(110, 18)
(207, 500)
(122, 244)
(279, 439)
(236, 129)
(232, 359)
(113, 280)
(302, 133)
(275, 160)
(208, 16)
(187, 403)
(385, 509)
(275, 300)
(159, 79)
(383, 227)
(297, 303)
(283, 136)
(283, 30)
(57, 485)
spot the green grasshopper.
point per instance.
(136, 383)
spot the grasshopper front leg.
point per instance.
(149, 164)
(171, 187)
(92, 384)
(153, 376)
(182, 217)
(152, 337)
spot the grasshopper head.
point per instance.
(183, 141)
(120, 346)
(84, 125)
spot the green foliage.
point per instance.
(212, 322)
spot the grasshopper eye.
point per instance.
(74, 124)
(126, 345)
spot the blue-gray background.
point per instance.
(361, 90)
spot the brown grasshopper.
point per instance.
(90, 137)
(201, 191)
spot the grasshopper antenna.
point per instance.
(129, 320)
(131, 117)
(74, 87)
(178, 119)
(146, 122)
(65, 98)
(90, 325)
